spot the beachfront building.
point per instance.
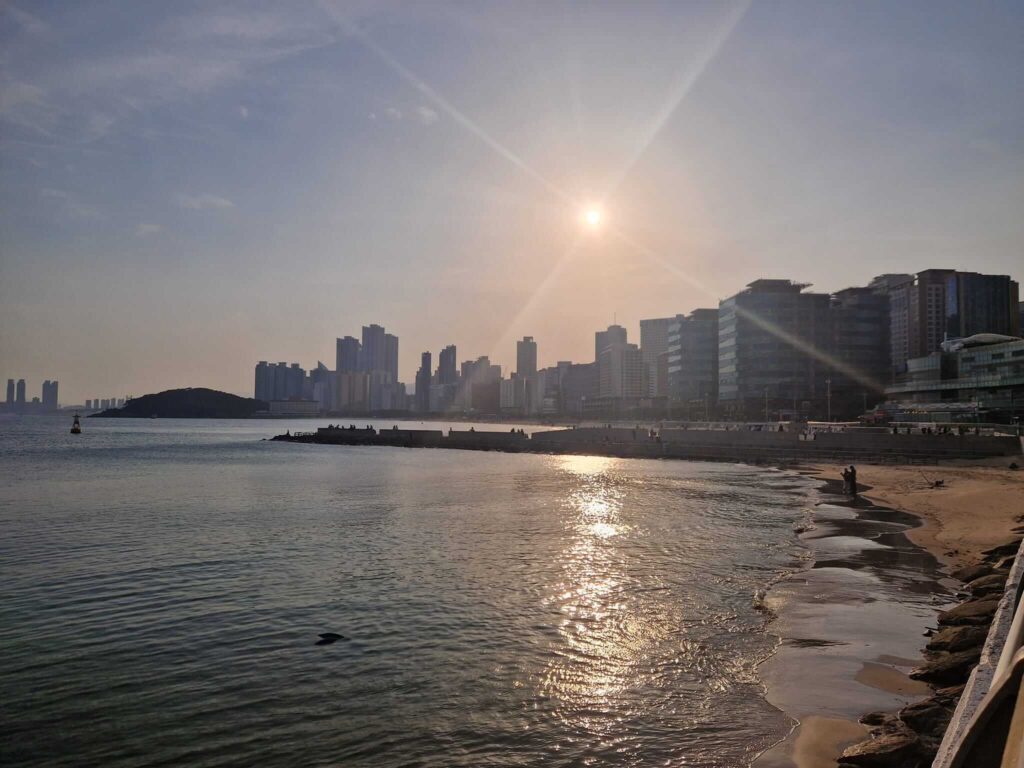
(979, 377)
(860, 345)
(692, 364)
(939, 304)
(654, 350)
(621, 372)
(772, 339)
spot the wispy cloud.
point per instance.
(204, 202)
(145, 230)
(394, 113)
(426, 115)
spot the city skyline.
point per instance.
(239, 183)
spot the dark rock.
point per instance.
(880, 721)
(930, 717)
(901, 748)
(972, 572)
(1003, 550)
(993, 584)
(948, 668)
(971, 612)
(958, 638)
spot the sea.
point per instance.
(164, 585)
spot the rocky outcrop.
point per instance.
(971, 612)
(910, 738)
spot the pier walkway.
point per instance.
(694, 444)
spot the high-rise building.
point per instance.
(615, 334)
(347, 355)
(447, 373)
(653, 344)
(693, 362)
(49, 395)
(526, 357)
(860, 345)
(391, 356)
(772, 342)
(374, 349)
(19, 396)
(10, 391)
(423, 384)
(280, 381)
(264, 384)
(937, 304)
(621, 371)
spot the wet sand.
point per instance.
(979, 505)
(851, 627)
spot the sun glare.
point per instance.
(592, 217)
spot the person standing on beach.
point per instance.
(853, 480)
(846, 480)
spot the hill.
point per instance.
(191, 403)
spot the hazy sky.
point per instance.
(187, 188)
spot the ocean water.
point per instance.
(163, 584)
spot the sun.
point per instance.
(592, 217)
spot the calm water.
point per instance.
(163, 584)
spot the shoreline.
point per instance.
(944, 530)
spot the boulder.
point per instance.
(900, 748)
(948, 668)
(972, 572)
(993, 584)
(958, 638)
(929, 718)
(971, 612)
(1003, 550)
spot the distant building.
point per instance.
(10, 391)
(279, 381)
(19, 396)
(772, 339)
(692, 363)
(526, 357)
(294, 408)
(579, 383)
(423, 384)
(614, 334)
(391, 355)
(49, 395)
(346, 356)
(447, 372)
(653, 344)
(621, 371)
(373, 356)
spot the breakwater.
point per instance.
(693, 444)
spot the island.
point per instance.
(189, 403)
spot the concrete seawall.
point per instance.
(708, 445)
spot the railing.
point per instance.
(987, 728)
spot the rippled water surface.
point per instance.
(164, 583)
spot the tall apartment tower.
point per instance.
(526, 357)
(447, 371)
(374, 350)
(19, 396)
(423, 384)
(10, 391)
(346, 356)
(391, 355)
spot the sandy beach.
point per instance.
(976, 506)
